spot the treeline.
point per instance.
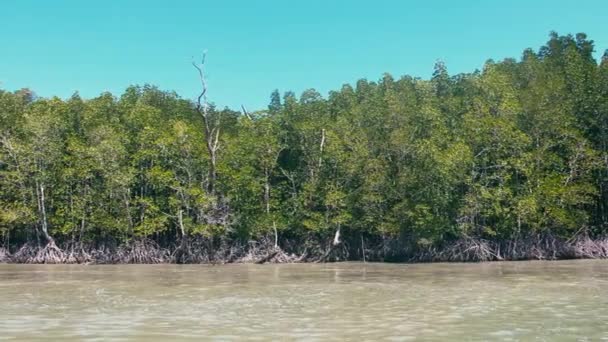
(509, 162)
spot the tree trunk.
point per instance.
(211, 130)
(321, 146)
(126, 198)
(43, 218)
(212, 150)
(363, 248)
(180, 220)
(276, 234)
(180, 252)
(267, 203)
(336, 240)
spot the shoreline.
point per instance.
(262, 252)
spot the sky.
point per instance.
(255, 46)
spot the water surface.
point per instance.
(545, 301)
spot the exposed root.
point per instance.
(468, 249)
(532, 248)
(264, 251)
(141, 252)
(195, 251)
(102, 255)
(49, 254)
(78, 255)
(221, 251)
(585, 247)
(24, 254)
(536, 247)
(5, 256)
(335, 252)
(269, 257)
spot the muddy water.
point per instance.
(552, 301)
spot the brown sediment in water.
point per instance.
(200, 251)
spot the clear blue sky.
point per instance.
(254, 46)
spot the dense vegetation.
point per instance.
(505, 163)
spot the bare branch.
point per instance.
(321, 147)
(217, 139)
(201, 101)
(211, 129)
(246, 113)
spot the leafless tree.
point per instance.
(211, 124)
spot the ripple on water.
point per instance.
(497, 301)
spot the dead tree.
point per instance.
(180, 255)
(336, 241)
(50, 253)
(267, 174)
(211, 125)
(42, 212)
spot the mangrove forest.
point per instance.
(508, 162)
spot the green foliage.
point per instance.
(518, 148)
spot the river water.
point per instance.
(546, 301)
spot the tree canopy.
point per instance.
(516, 150)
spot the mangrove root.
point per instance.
(5, 256)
